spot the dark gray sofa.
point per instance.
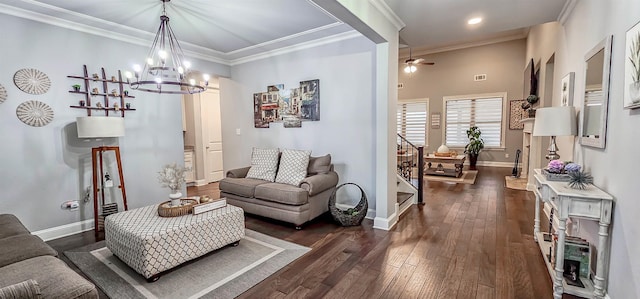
(288, 203)
(25, 257)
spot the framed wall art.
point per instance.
(566, 88)
(632, 68)
(516, 113)
(288, 106)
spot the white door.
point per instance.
(212, 135)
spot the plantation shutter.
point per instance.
(484, 113)
(412, 122)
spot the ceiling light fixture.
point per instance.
(409, 69)
(474, 21)
(165, 69)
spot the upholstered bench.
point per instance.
(151, 244)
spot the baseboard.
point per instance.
(407, 204)
(497, 164)
(385, 223)
(200, 182)
(64, 230)
(371, 214)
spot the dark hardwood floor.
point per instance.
(466, 241)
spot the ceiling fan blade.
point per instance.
(427, 63)
(418, 61)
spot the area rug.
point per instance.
(224, 273)
(515, 183)
(467, 177)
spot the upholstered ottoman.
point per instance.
(151, 244)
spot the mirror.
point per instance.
(593, 124)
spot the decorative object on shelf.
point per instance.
(632, 68)
(555, 121)
(32, 81)
(128, 105)
(474, 146)
(114, 92)
(559, 171)
(172, 177)
(182, 207)
(126, 93)
(205, 199)
(99, 105)
(580, 180)
(3, 94)
(165, 69)
(98, 92)
(113, 79)
(82, 103)
(76, 87)
(94, 90)
(116, 106)
(34, 113)
(443, 149)
(566, 88)
(95, 76)
(351, 216)
(516, 113)
(290, 106)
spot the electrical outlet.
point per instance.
(506, 155)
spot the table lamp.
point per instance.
(555, 121)
(98, 127)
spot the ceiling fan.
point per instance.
(413, 63)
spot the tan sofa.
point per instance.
(29, 267)
(288, 203)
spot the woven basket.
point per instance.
(347, 219)
(166, 210)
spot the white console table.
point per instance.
(591, 203)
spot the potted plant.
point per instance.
(76, 87)
(474, 146)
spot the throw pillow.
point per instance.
(319, 164)
(264, 164)
(26, 289)
(293, 166)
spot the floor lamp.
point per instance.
(555, 121)
(97, 127)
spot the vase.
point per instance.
(175, 198)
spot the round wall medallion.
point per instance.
(3, 94)
(32, 81)
(35, 113)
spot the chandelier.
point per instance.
(165, 70)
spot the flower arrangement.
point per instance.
(172, 177)
(557, 166)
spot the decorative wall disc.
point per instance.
(32, 81)
(35, 113)
(3, 94)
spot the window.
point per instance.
(484, 111)
(412, 121)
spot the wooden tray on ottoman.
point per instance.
(166, 210)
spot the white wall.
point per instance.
(346, 126)
(614, 168)
(42, 167)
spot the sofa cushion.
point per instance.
(55, 278)
(282, 193)
(22, 247)
(320, 164)
(240, 186)
(11, 226)
(26, 289)
(293, 166)
(264, 164)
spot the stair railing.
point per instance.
(410, 160)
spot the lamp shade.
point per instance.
(555, 121)
(100, 126)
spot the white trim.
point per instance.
(301, 46)
(503, 127)
(371, 214)
(386, 223)
(199, 183)
(205, 54)
(496, 164)
(418, 52)
(64, 230)
(405, 207)
(388, 13)
(566, 11)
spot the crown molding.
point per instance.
(388, 13)
(310, 44)
(566, 11)
(201, 53)
(485, 42)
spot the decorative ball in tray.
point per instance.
(186, 207)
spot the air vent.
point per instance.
(480, 77)
(400, 85)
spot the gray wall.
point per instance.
(452, 75)
(615, 167)
(42, 167)
(346, 126)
